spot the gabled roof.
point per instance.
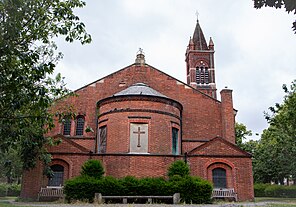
(66, 145)
(171, 77)
(199, 38)
(219, 147)
(139, 89)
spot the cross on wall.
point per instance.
(139, 132)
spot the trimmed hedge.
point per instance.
(268, 190)
(192, 189)
(9, 189)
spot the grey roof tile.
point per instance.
(139, 89)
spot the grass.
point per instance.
(7, 198)
(285, 200)
(281, 205)
(4, 202)
(7, 204)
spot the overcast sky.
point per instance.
(255, 50)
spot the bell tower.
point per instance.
(200, 68)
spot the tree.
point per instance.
(28, 55)
(11, 166)
(275, 157)
(289, 5)
(241, 134)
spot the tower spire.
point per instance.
(199, 38)
(200, 62)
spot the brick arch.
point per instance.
(198, 63)
(227, 166)
(64, 164)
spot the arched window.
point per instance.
(219, 178)
(79, 125)
(58, 176)
(202, 75)
(67, 126)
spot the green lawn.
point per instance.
(282, 205)
(7, 204)
(285, 200)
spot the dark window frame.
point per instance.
(58, 175)
(67, 126)
(102, 139)
(175, 141)
(219, 178)
(80, 121)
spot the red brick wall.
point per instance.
(120, 117)
(32, 181)
(238, 172)
(201, 114)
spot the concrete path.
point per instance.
(246, 204)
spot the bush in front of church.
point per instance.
(81, 188)
(92, 168)
(180, 168)
(192, 189)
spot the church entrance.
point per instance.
(58, 176)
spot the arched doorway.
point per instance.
(58, 176)
(219, 178)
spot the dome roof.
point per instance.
(139, 89)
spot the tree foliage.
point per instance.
(11, 166)
(289, 5)
(92, 168)
(241, 134)
(275, 156)
(28, 55)
(179, 168)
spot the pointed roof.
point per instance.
(139, 89)
(225, 147)
(199, 38)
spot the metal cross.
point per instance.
(140, 51)
(197, 14)
(139, 136)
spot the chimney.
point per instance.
(227, 115)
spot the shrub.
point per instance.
(130, 185)
(9, 189)
(153, 186)
(280, 191)
(14, 190)
(92, 168)
(109, 186)
(3, 190)
(259, 189)
(80, 188)
(268, 190)
(178, 168)
(192, 189)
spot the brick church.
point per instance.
(144, 119)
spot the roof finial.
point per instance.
(197, 14)
(140, 57)
(140, 51)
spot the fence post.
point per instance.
(98, 198)
(176, 198)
